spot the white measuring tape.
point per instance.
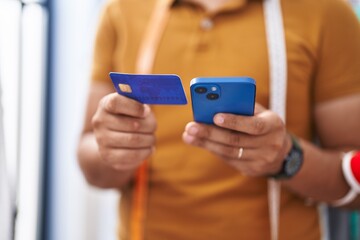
(278, 88)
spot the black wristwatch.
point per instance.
(292, 162)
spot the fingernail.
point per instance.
(146, 110)
(105, 102)
(219, 119)
(193, 130)
(188, 138)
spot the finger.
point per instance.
(113, 139)
(118, 104)
(254, 168)
(124, 123)
(225, 151)
(259, 124)
(125, 157)
(222, 135)
(127, 165)
(229, 137)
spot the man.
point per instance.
(209, 181)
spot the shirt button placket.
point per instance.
(206, 24)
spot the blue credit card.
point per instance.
(150, 88)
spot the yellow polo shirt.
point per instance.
(193, 194)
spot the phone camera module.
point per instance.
(200, 90)
(212, 96)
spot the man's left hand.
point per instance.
(255, 145)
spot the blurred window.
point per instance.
(23, 52)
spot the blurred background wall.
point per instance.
(77, 211)
(45, 56)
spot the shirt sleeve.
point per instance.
(338, 70)
(104, 47)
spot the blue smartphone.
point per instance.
(163, 89)
(212, 95)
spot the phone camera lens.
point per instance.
(201, 90)
(212, 96)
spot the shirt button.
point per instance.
(206, 24)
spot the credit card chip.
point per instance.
(125, 88)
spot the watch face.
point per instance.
(293, 163)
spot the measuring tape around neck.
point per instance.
(144, 65)
(278, 88)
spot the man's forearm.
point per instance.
(96, 172)
(321, 177)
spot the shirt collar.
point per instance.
(229, 6)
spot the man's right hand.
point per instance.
(124, 130)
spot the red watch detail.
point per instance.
(355, 166)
